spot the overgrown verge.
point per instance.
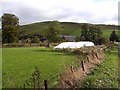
(106, 74)
(89, 57)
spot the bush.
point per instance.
(77, 38)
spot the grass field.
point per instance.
(105, 75)
(19, 63)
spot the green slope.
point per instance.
(68, 28)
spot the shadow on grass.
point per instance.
(45, 50)
(50, 51)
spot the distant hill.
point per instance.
(68, 28)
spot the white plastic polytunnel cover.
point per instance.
(74, 44)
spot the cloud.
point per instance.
(90, 11)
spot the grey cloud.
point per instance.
(25, 13)
(115, 17)
(29, 14)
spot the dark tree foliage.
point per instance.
(35, 38)
(10, 26)
(53, 32)
(113, 36)
(91, 33)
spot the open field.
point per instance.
(19, 64)
(105, 75)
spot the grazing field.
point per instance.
(19, 64)
(106, 74)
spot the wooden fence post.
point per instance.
(45, 84)
(72, 69)
(82, 64)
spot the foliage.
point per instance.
(90, 33)
(106, 74)
(54, 32)
(113, 36)
(77, 38)
(26, 36)
(34, 80)
(35, 39)
(10, 28)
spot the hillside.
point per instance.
(68, 28)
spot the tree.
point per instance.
(113, 36)
(90, 33)
(10, 26)
(35, 39)
(54, 31)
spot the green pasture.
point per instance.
(19, 63)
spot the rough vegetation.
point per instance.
(106, 74)
(93, 56)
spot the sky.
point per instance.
(81, 11)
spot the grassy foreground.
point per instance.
(106, 74)
(19, 64)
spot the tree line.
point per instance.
(10, 32)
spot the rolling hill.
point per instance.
(68, 28)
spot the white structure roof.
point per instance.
(74, 44)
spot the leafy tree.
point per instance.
(54, 31)
(90, 33)
(113, 36)
(10, 26)
(35, 39)
(77, 38)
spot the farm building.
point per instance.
(68, 38)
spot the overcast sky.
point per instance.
(83, 11)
